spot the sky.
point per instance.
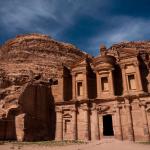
(84, 23)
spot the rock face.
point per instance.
(127, 49)
(29, 54)
(22, 59)
(29, 64)
(140, 45)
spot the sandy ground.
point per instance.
(97, 145)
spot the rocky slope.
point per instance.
(139, 45)
(26, 56)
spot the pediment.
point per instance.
(67, 115)
(83, 62)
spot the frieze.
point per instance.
(71, 108)
(103, 108)
(94, 107)
(116, 106)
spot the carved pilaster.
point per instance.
(86, 120)
(145, 121)
(118, 122)
(94, 123)
(140, 88)
(112, 82)
(74, 123)
(59, 124)
(130, 122)
(85, 85)
(125, 89)
(148, 79)
(73, 86)
(98, 85)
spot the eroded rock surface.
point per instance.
(26, 57)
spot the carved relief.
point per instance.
(102, 108)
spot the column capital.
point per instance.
(58, 109)
(127, 104)
(84, 107)
(73, 109)
(94, 107)
(142, 103)
(136, 64)
(117, 106)
(122, 65)
(73, 74)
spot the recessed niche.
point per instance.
(104, 84)
(79, 89)
(131, 81)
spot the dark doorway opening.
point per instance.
(107, 125)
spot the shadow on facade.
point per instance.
(40, 118)
(144, 72)
(7, 127)
(118, 81)
(34, 119)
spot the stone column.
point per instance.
(74, 124)
(94, 128)
(59, 124)
(125, 87)
(73, 86)
(138, 79)
(101, 125)
(86, 121)
(61, 88)
(145, 122)
(98, 85)
(111, 83)
(118, 122)
(85, 85)
(130, 123)
(148, 79)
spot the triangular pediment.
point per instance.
(67, 115)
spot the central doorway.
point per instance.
(107, 126)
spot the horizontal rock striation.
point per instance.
(29, 55)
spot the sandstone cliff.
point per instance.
(139, 45)
(26, 56)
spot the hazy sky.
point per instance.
(85, 23)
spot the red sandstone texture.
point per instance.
(27, 63)
(27, 56)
